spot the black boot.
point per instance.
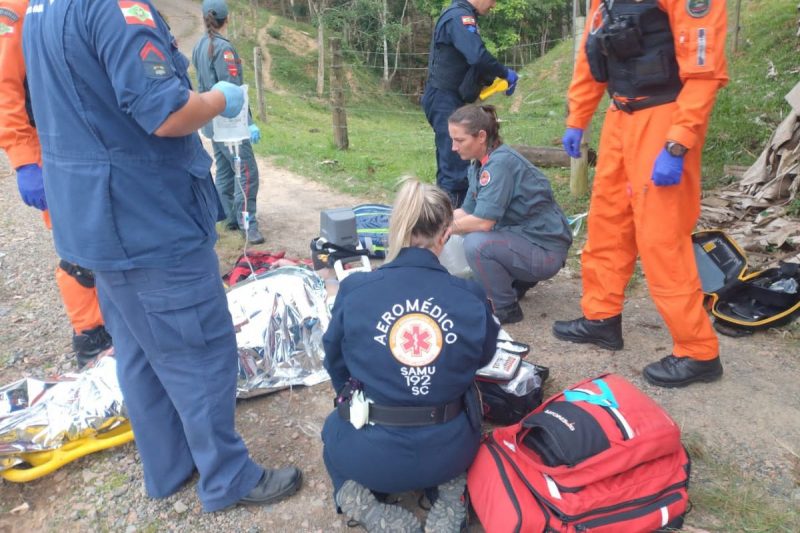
(606, 333)
(509, 314)
(274, 485)
(674, 371)
(522, 287)
(90, 343)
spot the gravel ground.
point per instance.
(750, 419)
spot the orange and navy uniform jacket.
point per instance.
(698, 28)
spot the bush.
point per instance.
(275, 32)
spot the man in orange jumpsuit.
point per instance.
(19, 140)
(662, 62)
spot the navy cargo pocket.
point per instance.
(188, 317)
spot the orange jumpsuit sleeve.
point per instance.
(700, 51)
(584, 91)
(17, 136)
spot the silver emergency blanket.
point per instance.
(37, 415)
(279, 317)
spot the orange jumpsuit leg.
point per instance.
(80, 303)
(665, 218)
(609, 256)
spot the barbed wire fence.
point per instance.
(358, 101)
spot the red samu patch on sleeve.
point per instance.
(137, 13)
(485, 178)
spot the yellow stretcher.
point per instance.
(38, 464)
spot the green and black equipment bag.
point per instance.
(743, 301)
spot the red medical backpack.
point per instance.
(601, 456)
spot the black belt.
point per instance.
(629, 106)
(387, 415)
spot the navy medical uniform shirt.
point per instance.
(120, 197)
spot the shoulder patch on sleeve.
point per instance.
(485, 178)
(154, 61)
(467, 20)
(137, 13)
(228, 56)
(698, 8)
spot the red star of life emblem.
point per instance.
(416, 341)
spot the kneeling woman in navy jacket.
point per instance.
(407, 338)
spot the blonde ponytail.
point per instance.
(421, 212)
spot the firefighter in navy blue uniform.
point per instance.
(515, 234)
(214, 58)
(458, 67)
(412, 336)
(131, 197)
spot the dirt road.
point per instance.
(751, 418)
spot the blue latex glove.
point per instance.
(234, 98)
(255, 134)
(511, 78)
(572, 142)
(31, 186)
(667, 169)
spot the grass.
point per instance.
(725, 498)
(390, 137)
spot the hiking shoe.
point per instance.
(509, 314)
(606, 333)
(231, 226)
(89, 343)
(674, 371)
(360, 505)
(449, 512)
(522, 287)
(273, 486)
(254, 236)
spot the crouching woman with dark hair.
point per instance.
(515, 234)
(402, 349)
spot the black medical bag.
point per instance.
(743, 301)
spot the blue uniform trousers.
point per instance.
(397, 459)
(499, 257)
(451, 170)
(177, 366)
(232, 194)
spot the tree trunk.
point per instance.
(316, 10)
(385, 42)
(399, 42)
(320, 58)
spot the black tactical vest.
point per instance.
(447, 67)
(634, 52)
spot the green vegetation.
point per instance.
(726, 498)
(389, 136)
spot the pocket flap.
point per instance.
(182, 296)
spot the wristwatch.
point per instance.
(676, 149)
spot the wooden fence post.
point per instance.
(337, 96)
(738, 26)
(579, 168)
(258, 63)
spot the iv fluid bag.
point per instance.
(232, 129)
